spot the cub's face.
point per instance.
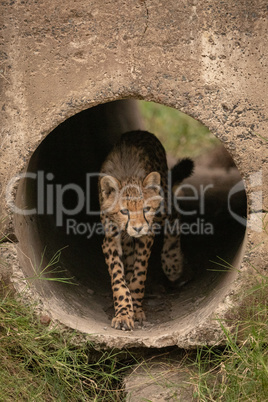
(131, 206)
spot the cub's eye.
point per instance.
(124, 211)
(146, 209)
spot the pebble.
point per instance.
(90, 291)
(45, 319)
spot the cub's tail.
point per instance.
(183, 169)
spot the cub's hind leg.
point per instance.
(128, 248)
(174, 264)
(171, 256)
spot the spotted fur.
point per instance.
(133, 196)
(172, 256)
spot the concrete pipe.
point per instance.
(64, 74)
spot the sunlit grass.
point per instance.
(39, 363)
(181, 135)
(239, 372)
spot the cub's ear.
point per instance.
(152, 180)
(108, 185)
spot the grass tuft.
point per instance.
(38, 363)
(239, 372)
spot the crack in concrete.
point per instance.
(147, 20)
(259, 211)
(11, 238)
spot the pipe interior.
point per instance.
(77, 148)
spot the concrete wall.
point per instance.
(206, 58)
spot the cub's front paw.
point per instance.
(124, 322)
(139, 315)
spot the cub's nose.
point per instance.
(138, 229)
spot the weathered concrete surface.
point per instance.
(207, 59)
(162, 379)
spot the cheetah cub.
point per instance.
(132, 194)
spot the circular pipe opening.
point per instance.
(59, 195)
